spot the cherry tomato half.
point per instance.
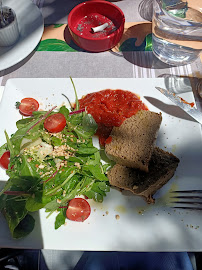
(5, 159)
(78, 210)
(55, 122)
(28, 106)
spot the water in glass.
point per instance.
(177, 30)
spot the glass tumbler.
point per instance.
(177, 30)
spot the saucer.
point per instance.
(31, 26)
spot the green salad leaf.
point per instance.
(19, 221)
(60, 219)
(46, 170)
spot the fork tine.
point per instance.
(186, 191)
(187, 197)
(188, 208)
(188, 202)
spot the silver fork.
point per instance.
(187, 199)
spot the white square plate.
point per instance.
(141, 227)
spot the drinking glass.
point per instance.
(177, 30)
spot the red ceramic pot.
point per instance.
(88, 41)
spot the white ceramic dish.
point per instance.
(30, 23)
(10, 33)
(141, 227)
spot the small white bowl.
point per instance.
(10, 33)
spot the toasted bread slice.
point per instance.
(162, 167)
(132, 143)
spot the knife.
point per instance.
(193, 112)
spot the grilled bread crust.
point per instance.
(133, 142)
(162, 167)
